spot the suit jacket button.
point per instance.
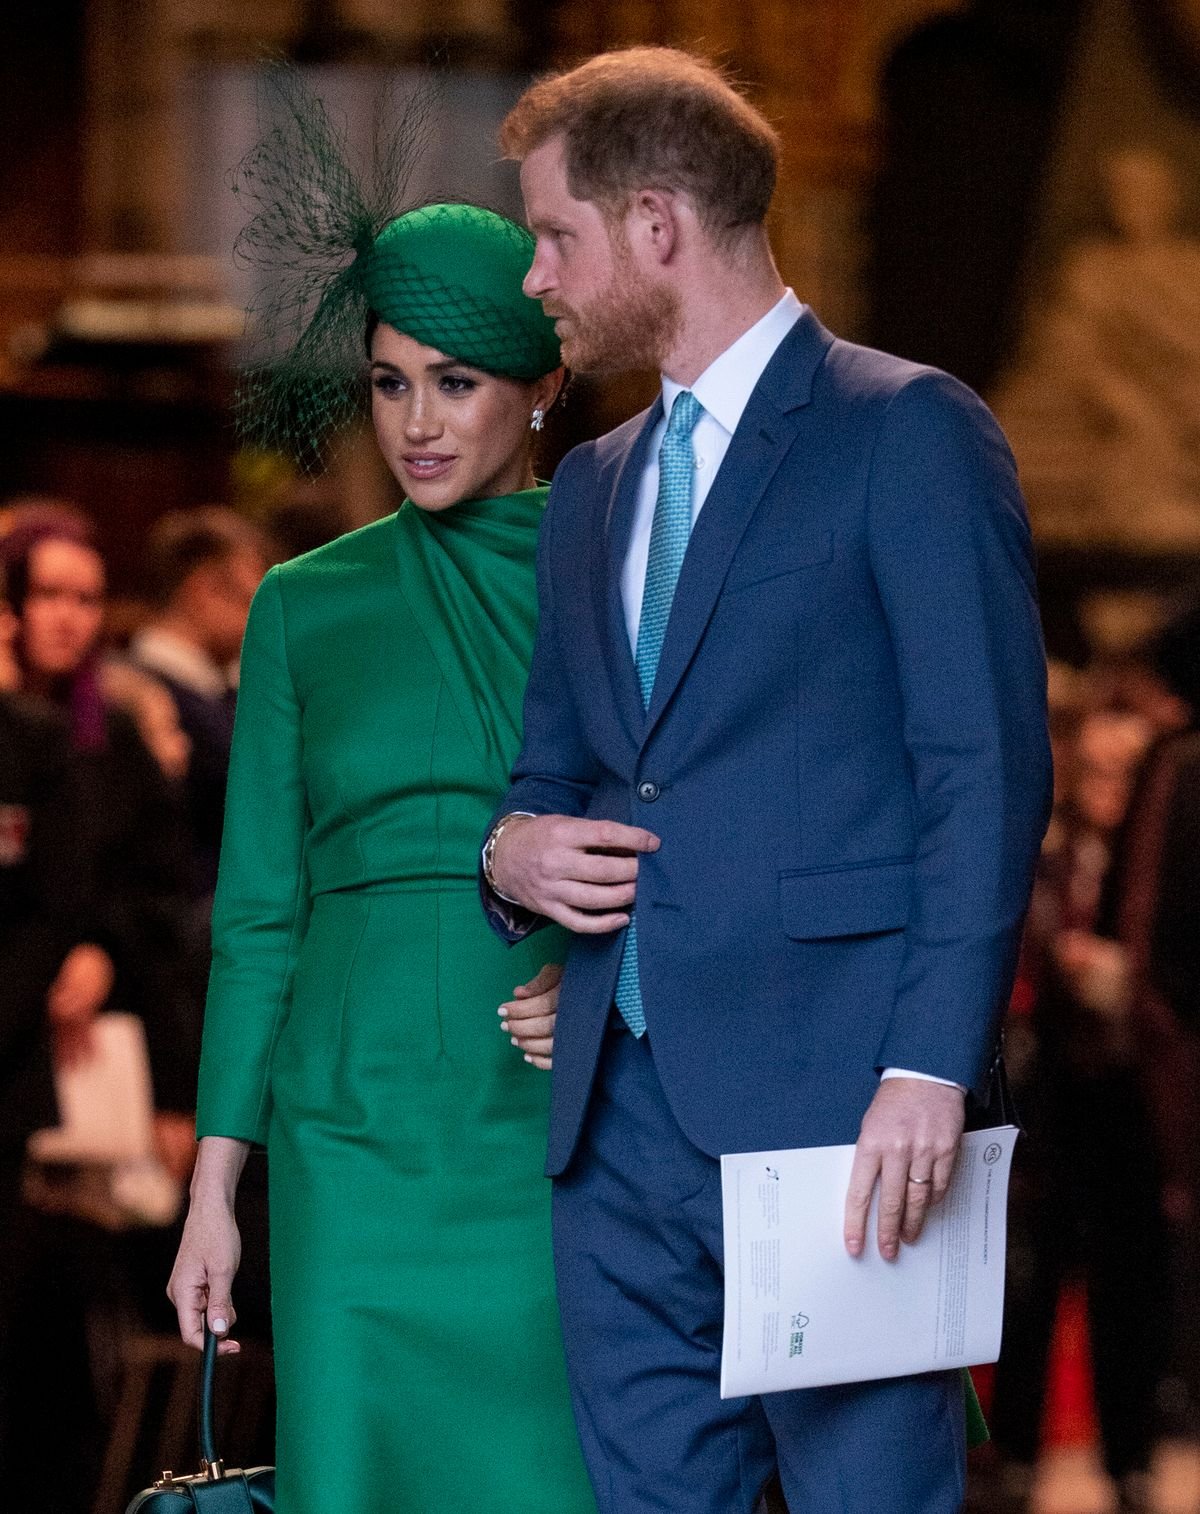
(648, 792)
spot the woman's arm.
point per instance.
(211, 1248)
(261, 908)
(259, 917)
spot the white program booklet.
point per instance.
(801, 1312)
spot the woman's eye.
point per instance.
(387, 383)
(455, 383)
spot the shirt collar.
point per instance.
(163, 652)
(725, 386)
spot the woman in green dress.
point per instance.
(351, 1024)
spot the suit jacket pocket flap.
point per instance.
(845, 901)
(757, 562)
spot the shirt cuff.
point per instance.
(921, 1077)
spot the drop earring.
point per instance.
(538, 420)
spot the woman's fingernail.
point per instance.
(528, 1058)
(219, 1326)
(513, 1039)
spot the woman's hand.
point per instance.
(76, 997)
(530, 1015)
(202, 1278)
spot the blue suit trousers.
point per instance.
(638, 1252)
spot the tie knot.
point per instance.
(685, 412)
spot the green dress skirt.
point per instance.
(352, 1025)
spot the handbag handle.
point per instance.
(208, 1370)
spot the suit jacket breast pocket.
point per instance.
(858, 900)
(759, 561)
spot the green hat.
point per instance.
(450, 277)
(332, 247)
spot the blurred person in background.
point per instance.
(205, 566)
(41, 914)
(127, 838)
(1154, 911)
(153, 711)
(1085, 1194)
(132, 819)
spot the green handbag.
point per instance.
(214, 1489)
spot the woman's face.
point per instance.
(63, 609)
(449, 432)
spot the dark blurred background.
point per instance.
(1009, 189)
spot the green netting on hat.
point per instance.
(332, 247)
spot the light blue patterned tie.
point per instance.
(668, 542)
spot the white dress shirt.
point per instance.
(161, 651)
(724, 390)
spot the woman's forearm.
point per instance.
(219, 1163)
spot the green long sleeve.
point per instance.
(262, 900)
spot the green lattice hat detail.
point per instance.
(450, 277)
(333, 247)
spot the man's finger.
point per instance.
(943, 1171)
(597, 867)
(893, 1178)
(917, 1199)
(580, 895)
(858, 1198)
(582, 923)
(607, 835)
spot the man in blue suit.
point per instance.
(785, 774)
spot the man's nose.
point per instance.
(536, 283)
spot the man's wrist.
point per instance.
(489, 851)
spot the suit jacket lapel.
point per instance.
(759, 445)
(613, 526)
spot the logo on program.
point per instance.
(796, 1339)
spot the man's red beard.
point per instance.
(630, 324)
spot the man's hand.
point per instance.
(581, 873)
(908, 1143)
(529, 1017)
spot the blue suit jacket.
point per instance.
(845, 754)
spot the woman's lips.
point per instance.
(426, 465)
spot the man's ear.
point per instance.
(654, 221)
